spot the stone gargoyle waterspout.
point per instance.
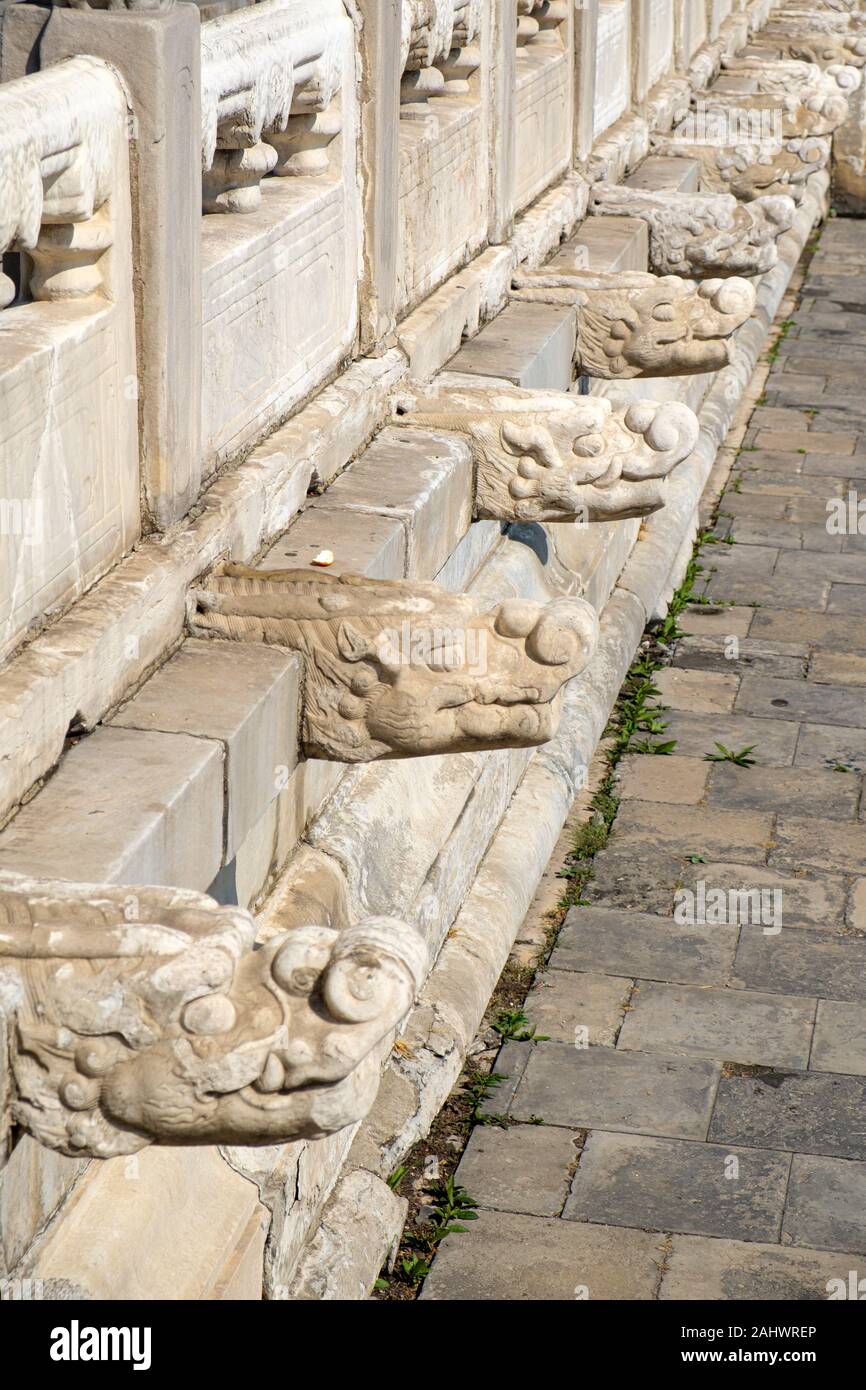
(555, 456)
(138, 1016)
(803, 98)
(708, 235)
(398, 668)
(634, 324)
(748, 169)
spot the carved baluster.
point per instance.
(464, 59)
(8, 289)
(527, 25)
(66, 258)
(233, 182)
(302, 148)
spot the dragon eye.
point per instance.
(664, 313)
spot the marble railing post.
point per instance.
(157, 53)
(381, 69)
(585, 42)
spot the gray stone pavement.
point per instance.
(703, 1089)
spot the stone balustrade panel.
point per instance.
(69, 472)
(282, 221)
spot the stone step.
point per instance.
(527, 344)
(666, 174)
(244, 696)
(419, 482)
(125, 806)
(608, 243)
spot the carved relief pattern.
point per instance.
(147, 1015)
(405, 669)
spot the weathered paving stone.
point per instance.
(801, 962)
(745, 562)
(839, 1043)
(701, 692)
(730, 1270)
(508, 1068)
(803, 1111)
(766, 789)
(844, 634)
(772, 460)
(724, 1024)
(789, 441)
(633, 882)
(839, 569)
(598, 1087)
(805, 900)
(822, 745)
(497, 1162)
(827, 844)
(629, 1180)
(826, 1206)
(774, 741)
(768, 697)
(516, 1258)
(847, 598)
(637, 944)
(784, 659)
(772, 592)
(681, 781)
(787, 535)
(838, 668)
(561, 1002)
(703, 620)
(753, 505)
(695, 830)
(857, 906)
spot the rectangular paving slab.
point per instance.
(802, 962)
(518, 1258)
(769, 697)
(730, 1270)
(830, 747)
(695, 830)
(826, 1206)
(841, 632)
(827, 844)
(801, 1111)
(584, 1088)
(564, 1006)
(839, 1043)
(773, 741)
(820, 791)
(724, 1024)
(638, 944)
(497, 1164)
(670, 1185)
(804, 900)
(786, 659)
